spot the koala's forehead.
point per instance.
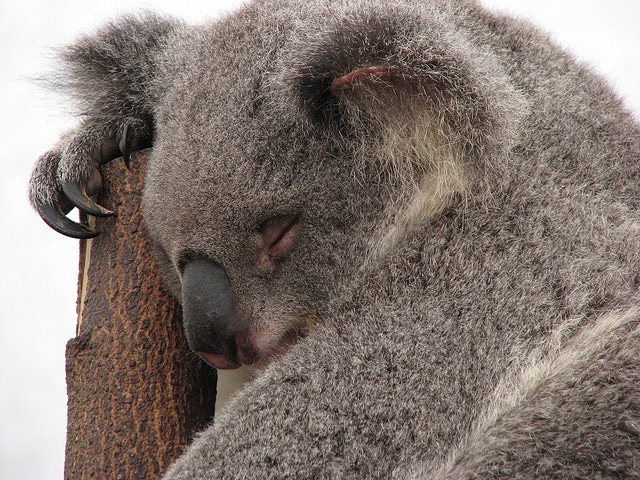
(221, 64)
(211, 94)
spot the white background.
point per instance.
(38, 267)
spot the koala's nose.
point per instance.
(209, 316)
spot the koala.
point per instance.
(419, 219)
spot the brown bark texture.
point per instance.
(136, 392)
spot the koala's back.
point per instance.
(500, 338)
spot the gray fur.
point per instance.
(469, 257)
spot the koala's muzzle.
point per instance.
(210, 320)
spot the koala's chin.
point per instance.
(259, 349)
(262, 349)
(252, 355)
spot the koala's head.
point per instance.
(294, 145)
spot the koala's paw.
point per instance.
(68, 175)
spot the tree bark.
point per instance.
(136, 392)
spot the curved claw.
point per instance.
(53, 217)
(75, 193)
(125, 146)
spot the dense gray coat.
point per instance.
(463, 285)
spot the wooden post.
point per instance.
(136, 392)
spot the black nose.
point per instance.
(209, 316)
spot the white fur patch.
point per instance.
(420, 153)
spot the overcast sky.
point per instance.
(38, 267)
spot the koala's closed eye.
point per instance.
(277, 238)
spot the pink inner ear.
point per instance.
(366, 74)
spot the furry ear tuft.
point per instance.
(374, 70)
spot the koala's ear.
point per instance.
(374, 90)
(378, 94)
(400, 79)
